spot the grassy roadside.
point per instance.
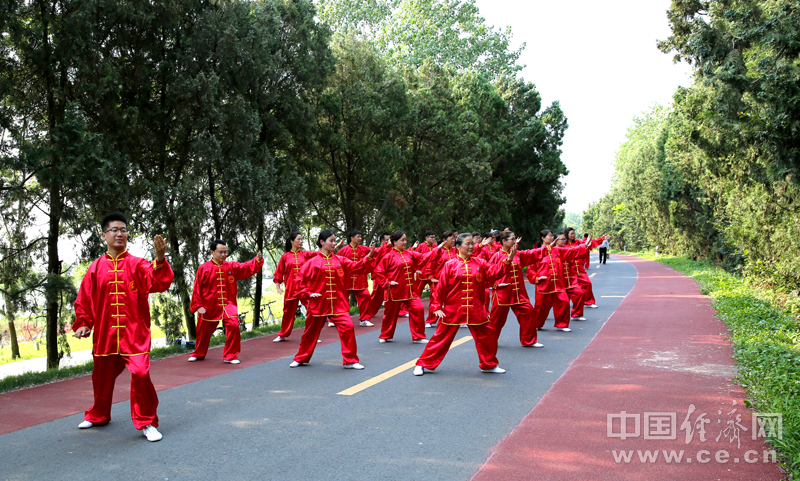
(765, 333)
(31, 379)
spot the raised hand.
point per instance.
(371, 249)
(414, 247)
(259, 257)
(339, 244)
(161, 247)
(486, 241)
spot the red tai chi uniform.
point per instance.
(358, 284)
(215, 290)
(574, 290)
(551, 292)
(424, 279)
(286, 273)
(400, 266)
(436, 265)
(112, 301)
(459, 293)
(514, 296)
(378, 292)
(328, 275)
(580, 265)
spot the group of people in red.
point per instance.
(465, 272)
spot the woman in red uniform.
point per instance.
(580, 265)
(456, 301)
(448, 253)
(573, 287)
(378, 293)
(286, 273)
(396, 271)
(509, 292)
(322, 285)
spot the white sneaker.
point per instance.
(192, 359)
(428, 324)
(296, 364)
(420, 341)
(463, 325)
(365, 324)
(382, 340)
(538, 344)
(85, 425)
(403, 315)
(563, 329)
(593, 306)
(578, 318)
(330, 324)
(151, 433)
(497, 370)
(419, 370)
(354, 366)
(319, 340)
(235, 361)
(279, 339)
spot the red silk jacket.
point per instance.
(112, 301)
(286, 271)
(461, 289)
(400, 267)
(215, 287)
(328, 275)
(357, 282)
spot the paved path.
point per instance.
(262, 419)
(661, 352)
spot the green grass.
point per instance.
(31, 379)
(765, 332)
(27, 350)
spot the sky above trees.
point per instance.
(600, 61)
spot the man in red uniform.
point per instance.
(112, 301)
(358, 284)
(424, 279)
(214, 299)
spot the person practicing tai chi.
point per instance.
(358, 284)
(458, 299)
(447, 253)
(509, 292)
(396, 272)
(424, 279)
(378, 293)
(573, 287)
(582, 264)
(322, 284)
(286, 274)
(214, 300)
(112, 306)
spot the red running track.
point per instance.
(660, 352)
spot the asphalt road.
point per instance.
(268, 421)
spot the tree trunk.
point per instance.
(11, 314)
(214, 207)
(52, 287)
(178, 267)
(259, 279)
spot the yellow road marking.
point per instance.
(594, 274)
(393, 372)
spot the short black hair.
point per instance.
(476, 233)
(506, 234)
(212, 246)
(384, 236)
(111, 218)
(352, 234)
(585, 236)
(544, 233)
(430, 233)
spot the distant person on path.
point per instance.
(603, 252)
(286, 273)
(358, 285)
(456, 301)
(112, 301)
(322, 287)
(214, 300)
